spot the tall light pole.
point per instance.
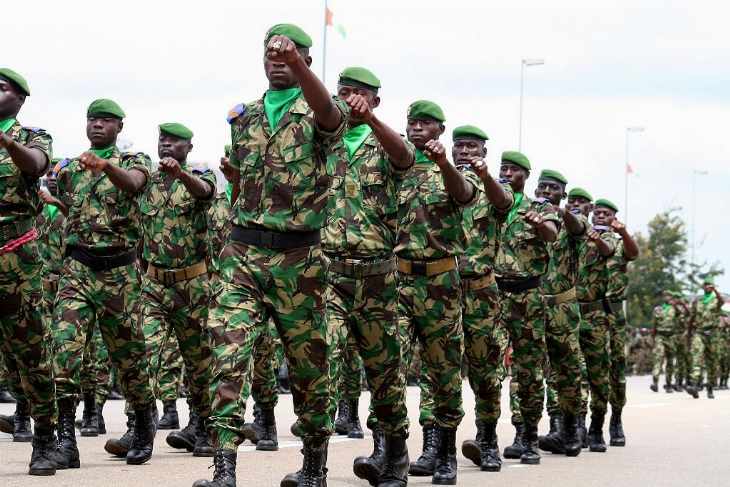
(694, 177)
(525, 62)
(626, 172)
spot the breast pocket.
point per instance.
(377, 194)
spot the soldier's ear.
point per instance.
(308, 60)
(121, 126)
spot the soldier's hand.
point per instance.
(226, 168)
(480, 167)
(171, 167)
(45, 195)
(5, 140)
(359, 107)
(436, 152)
(620, 227)
(592, 234)
(281, 48)
(534, 218)
(92, 162)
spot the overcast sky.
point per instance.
(661, 65)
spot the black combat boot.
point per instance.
(530, 446)
(343, 417)
(616, 430)
(553, 441)
(115, 393)
(120, 447)
(471, 449)
(598, 444)
(312, 473)
(369, 468)
(668, 388)
(654, 385)
(7, 424)
(354, 429)
(170, 419)
(582, 429)
(572, 442)
(186, 437)
(225, 470)
(283, 383)
(144, 436)
(692, 389)
(515, 449)
(22, 431)
(5, 396)
(395, 467)
(89, 418)
(490, 459)
(43, 458)
(445, 472)
(710, 395)
(426, 463)
(268, 440)
(67, 452)
(100, 418)
(678, 384)
(252, 431)
(203, 443)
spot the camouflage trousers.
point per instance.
(364, 312)
(682, 352)
(594, 345)
(524, 318)
(485, 346)
(429, 311)
(617, 339)
(171, 370)
(350, 380)
(723, 345)
(182, 309)
(562, 324)
(288, 286)
(23, 336)
(111, 300)
(704, 356)
(267, 358)
(663, 354)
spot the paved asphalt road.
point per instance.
(672, 440)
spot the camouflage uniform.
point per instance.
(282, 206)
(177, 293)
(23, 345)
(103, 225)
(681, 345)
(618, 285)
(219, 230)
(665, 319)
(706, 316)
(362, 278)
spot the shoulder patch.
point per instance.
(465, 166)
(35, 130)
(503, 180)
(541, 201)
(201, 168)
(128, 155)
(235, 112)
(60, 165)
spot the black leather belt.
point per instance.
(665, 334)
(15, 229)
(613, 306)
(592, 306)
(275, 240)
(518, 286)
(358, 268)
(103, 263)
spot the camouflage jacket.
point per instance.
(50, 248)
(665, 317)
(483, 225)
(430, 221)
(284, 182)
(218, 227)
(593, 274)
(102, 219)
(523, 254)
(562, 273)
(618, 277)
(706, 315)
(363, 202)
(19, 190)
(175, 223)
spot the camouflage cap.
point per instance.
(104, 107)
(176, 130)
(355, 76)
(424, 109)
(468, 132)
(516, 158)
(553, 175)
(15, 78)
(296, 34)
(580, 193)
(606, 204)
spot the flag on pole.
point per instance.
(328, 22)
(629, 169)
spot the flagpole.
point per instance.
(324, 44)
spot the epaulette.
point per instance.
(542, 201)
(503, 180)
(127, 155)
(576, 211)
(465, 166)
(235, 112)
(202, 168)
(601, 228)
(60, 165)
(35, 130)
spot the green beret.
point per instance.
(105, 108)
(177, 130)
(12, 76)
(468, 132)
(554, 175)
(708, 280)
(607, 204)
(359, 77)
(516, 158)
(227, 149)
(580, 193)
(424, 109)
(300, 38)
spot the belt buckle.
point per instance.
(267, 239)
(418, 268)
(168, 277)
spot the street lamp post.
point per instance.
(525, 62)
(626, 172)
(694, 177)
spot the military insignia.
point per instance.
(127, 155)
(408, 112)
(235, 112)
(60, 165)
(503, 180)
(576, 212)
(351, 189)
(541, 201)
(202, 168)
(35, 130)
